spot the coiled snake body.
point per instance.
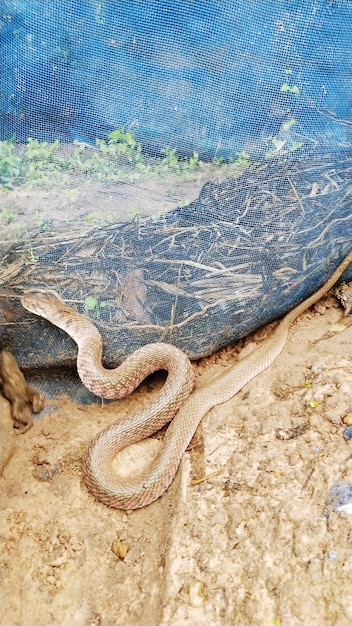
(174, 398)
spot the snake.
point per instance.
(175, 403)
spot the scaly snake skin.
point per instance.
(141, 490)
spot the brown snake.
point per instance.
(136, 492)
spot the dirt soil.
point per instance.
(258, 542)
(263, 539)
(85, 204)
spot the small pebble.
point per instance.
(196, 593)
(348, 419)
(119, 548)
(347, 433)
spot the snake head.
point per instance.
(42, 305)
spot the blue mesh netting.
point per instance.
(265, 85)
(213, 76)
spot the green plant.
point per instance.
(7, 214)
(135, 214)
(28, 252)
(171, 162)
(11, 164)
(287, 125)
(41, 152)
(119, 158)
(93, 305)
(193, 162)
(218, 161)
(171, 159)
(241, 159)
(19, 229)
(287, 88)
(40, 158)
(284, 146)
(97, 219)
(123, 147)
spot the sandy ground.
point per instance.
(86, 204)
(259, 542)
